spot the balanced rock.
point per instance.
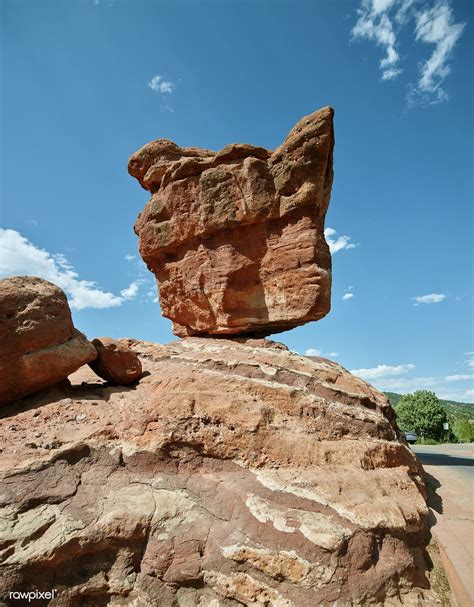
(234, 473)
(236, 238)
(115, 362)
(39, 345)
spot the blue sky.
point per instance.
(77, 101)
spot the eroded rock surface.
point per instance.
(235, 473)
(236, 238)
(39, 345)
(115, 362)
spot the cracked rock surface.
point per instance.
(235, 238)
(234, 473)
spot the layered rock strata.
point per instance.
(39, 345)
(235, 473)
(235, 238)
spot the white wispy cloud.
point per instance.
(19, 257)
(313, 352)
(435, 384)
(339, 243)
(404, 385)
(403, 11)
(469, 362)
(383, 371)
(459, 377)
(430, 298)
(160, 85)
(317, 352)
(375, 24)
(436, 26)
(433, 23)
(348, 293)
(132, 290)
(144, 285)
(391, 73)
(396, 378)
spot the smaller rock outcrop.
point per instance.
(39, 345)
(115, 362)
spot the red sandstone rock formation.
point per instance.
(39, 345)
(235, 473)
(115, 362)
(235, 238)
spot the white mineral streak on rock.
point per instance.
(245, 589)
(367, 504)
(283, 564)
(320, 529)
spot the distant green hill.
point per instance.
(463, 410)
(394, 398)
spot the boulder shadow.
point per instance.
(435, 506)
(442, 459)
(99, 390)
(433, 499)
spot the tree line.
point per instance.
(423, 413)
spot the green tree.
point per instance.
(422, 413)
(463, 430)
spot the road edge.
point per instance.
(460, 594)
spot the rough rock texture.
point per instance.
(235, 473)
(235, 238)
(39, 345)
(116, 362)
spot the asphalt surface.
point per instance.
(449, 474)
(459, 458)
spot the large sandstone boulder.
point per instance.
(235, 473)
(39, 345)
(236, 238)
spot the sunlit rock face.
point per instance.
(39, 345)
(236, 238)
(233, 473)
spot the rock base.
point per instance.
(235, 473)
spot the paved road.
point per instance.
(458, 458)
(450, 477)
